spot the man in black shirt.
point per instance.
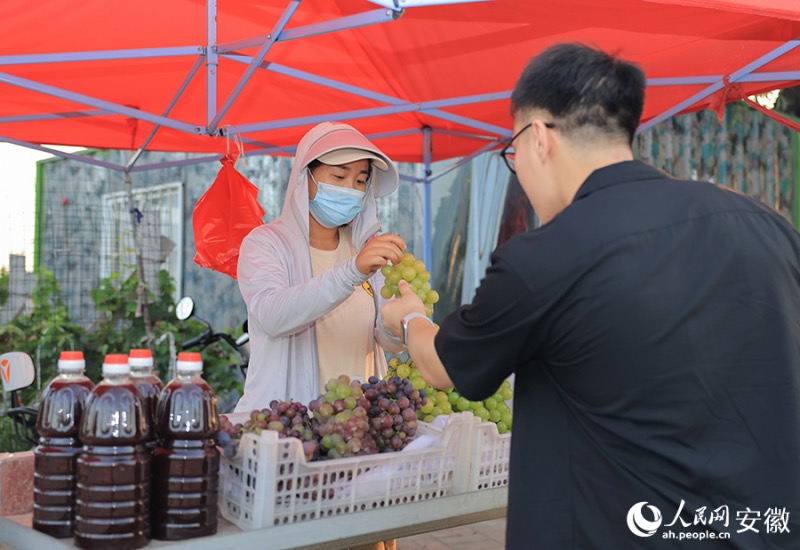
(653, 326)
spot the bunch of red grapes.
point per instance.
(339, 419)
(392, 412)
(288, 418)
(349, 419)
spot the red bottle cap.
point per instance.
(189, 361)
(140, 358)
(71, 361)
(116, 363)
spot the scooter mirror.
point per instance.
(184, 308)
(16, 370)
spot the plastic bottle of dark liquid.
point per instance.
(58, 424)
(149, 385)
(186, 460)
(113, 488)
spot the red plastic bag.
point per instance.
(223, 217)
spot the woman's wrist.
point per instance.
(353, 275)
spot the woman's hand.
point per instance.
(378, 251)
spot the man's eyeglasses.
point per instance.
(509, 153)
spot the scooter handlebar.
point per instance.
(196, 341)
(208, 338)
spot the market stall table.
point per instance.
(397, 521)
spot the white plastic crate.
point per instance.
(269, 482)
(489, 454)
(490, 458)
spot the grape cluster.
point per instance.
(353, 419)
(492, 409)
(439, 402)
(348, 419)
(339, 419)
(413, 271)
(228, 436)
(288, 418)
(394, 403)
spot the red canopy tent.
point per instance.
(426, 82)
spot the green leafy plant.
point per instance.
(119, 327)
(9, 442)
(3, 285)
(44, 332)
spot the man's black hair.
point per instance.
(582, 88)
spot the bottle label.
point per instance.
(113, 416)
(58, 412)
(188, 413)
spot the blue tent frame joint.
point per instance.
(395, 4)
(135, 157)
(719, 83)
(211, 129)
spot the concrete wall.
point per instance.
(71, 217)
(20, 287)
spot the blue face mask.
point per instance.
(333, 205)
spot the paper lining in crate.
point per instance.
(270, 482)
(491, 457)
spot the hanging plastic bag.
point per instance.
(223, 217)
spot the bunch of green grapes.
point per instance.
(447, 401)
(492, 409)
(413, 271)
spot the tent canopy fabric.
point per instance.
(425, 82)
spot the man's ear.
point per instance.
(541, 139)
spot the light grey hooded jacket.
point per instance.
(283, 298)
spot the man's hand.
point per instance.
(394, 311)
(379, 250)
(421, 346)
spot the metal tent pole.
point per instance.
(142, 305)
(720, 84)
(254, 63)
(62, 154)
(212, 61)
(130, 112)
(135, 157)
(427, 155)
(424, 107)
